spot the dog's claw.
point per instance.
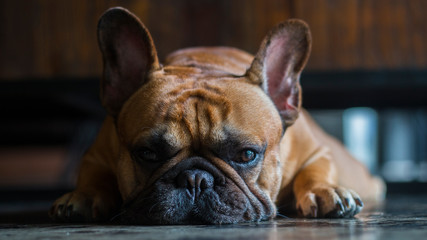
(359, 202)
(60, 210)
(314, 211)
(331, 202)
(80, 207)
(339, 206)
(347, 202)
(69, 211)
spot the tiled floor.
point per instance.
(401, 217)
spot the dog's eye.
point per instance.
(147, 155)
(247, 155)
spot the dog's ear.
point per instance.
(278, 65)
(129, 56)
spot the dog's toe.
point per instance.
(329, 202)
(348, 205)
(72, 207)
(80, 207)
(307, 206)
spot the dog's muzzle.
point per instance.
(193, 192)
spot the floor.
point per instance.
(400, 217)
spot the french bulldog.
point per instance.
(213, 136)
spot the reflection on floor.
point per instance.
(401, 217)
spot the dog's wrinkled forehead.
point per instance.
(192, 107)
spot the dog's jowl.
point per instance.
(211, 136)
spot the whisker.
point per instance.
(282, 216)
(117, 215)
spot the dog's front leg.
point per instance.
(96, 196)
(317, 192)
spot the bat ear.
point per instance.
(129, 56)
(278, 66)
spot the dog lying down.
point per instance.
(212, 136)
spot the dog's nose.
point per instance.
(195, 181)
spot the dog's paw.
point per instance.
(80, 207)
(329, 202)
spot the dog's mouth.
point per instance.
(193, 192)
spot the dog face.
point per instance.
(197, 150)
(198, 145)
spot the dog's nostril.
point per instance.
(204, 184)
(195, 180)
(191, 181)
(205, 180)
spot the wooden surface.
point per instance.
(45, 38)
(400, 217)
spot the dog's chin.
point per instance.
(222, 204)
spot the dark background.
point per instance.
(366, 53)
(44, 39)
